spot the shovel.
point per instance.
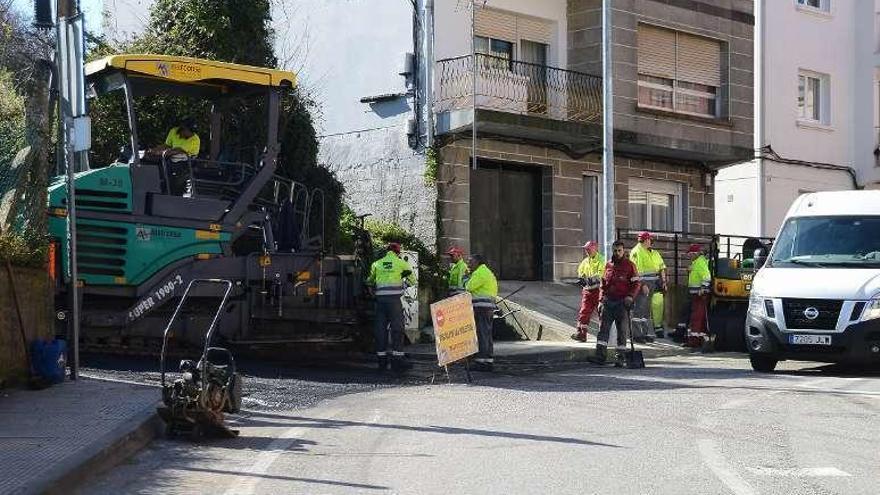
(634, 359)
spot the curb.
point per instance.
(115, 447)
(572, 355)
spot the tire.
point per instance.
(763, 363)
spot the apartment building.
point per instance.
(819, 112)
(682, 109)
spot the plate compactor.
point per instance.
(194, 403)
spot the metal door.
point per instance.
(505, 213)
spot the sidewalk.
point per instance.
(54, 438)
(542, 352)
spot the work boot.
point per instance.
(382, 363)
(620, 360)
(400, 365)
(599, 357)
(659, 332)
(580, 336)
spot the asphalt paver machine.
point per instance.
(142, 236)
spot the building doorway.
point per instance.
(505, 219)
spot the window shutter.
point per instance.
(656, 52)
(534, 30)
(495, 24)
(698, 60)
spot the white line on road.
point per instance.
(715, 461)
(815, 472)
(247, 482)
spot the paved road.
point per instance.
(687, 425)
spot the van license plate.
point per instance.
(810, 339)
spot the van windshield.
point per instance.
(839, 242)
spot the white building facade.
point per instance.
(819, 112)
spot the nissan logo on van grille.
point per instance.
(811, 313)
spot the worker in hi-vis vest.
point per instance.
(483, 286)
(648, 309)
(458, 271)
(387, 276)
(699, 283)
(590, 273)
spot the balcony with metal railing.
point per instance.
(535, 92)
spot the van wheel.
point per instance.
(763, 363)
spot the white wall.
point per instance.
(735, 201)
(452, 25)
(125, 18)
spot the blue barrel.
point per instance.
(49, 359)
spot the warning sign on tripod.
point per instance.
(455, 331)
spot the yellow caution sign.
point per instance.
(455, 331)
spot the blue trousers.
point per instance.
(389, 319)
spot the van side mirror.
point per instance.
(760, 257)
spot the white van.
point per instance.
(817, 296)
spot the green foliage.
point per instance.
(12, 127)
(432, 164)
(237, 31)
(28, 249)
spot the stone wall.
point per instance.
(730, 22)
(383, 176)
(562, 188)
(34, 294)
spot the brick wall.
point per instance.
(562, 188)
(34, 294)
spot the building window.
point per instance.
(655, 205)
(813, 97)
(678, 72)
(823, 5)
(500, 49)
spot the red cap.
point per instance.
(455, 250)
(394, 246)
(643, 236)
(591, 244)
(695, 248)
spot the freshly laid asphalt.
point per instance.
(686, 424)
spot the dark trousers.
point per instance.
(483, 318)
(389, 317)
(614, 312)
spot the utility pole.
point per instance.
(759, 116)
(474, 81)
(607, 131)
(76, 140)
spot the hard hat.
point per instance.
(591, 244)
(455, 250)
(394, 246)
(644, 236)
(695, 248)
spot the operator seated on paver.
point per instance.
(483, 286)
(699, 283)
(590, 274)
(620, 284)
(458, 271)
(180, 144)
(387, 276)
(648, 309)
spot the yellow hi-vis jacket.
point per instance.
(483, 286)
(456, 275)
(387, 275)
(648, 263)
(190, 145)
(699, 278)
(591, 270)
